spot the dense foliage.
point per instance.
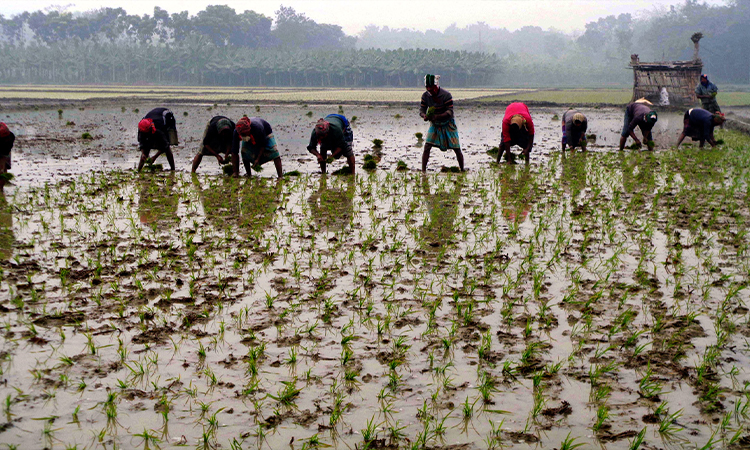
(601, 53)
(219, 46)
(196, 61)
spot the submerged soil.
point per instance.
(596, 298)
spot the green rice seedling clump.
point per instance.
(401, 166)
(292, 173)
(86, 135)
(377, 143)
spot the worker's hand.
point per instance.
(221, 160)
(320, 157)
(638, 143)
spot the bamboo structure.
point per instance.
(677, 77)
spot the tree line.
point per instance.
(221, 46)
(601, 52)
(197, 61)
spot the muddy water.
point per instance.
(590, 296)
(49, 146)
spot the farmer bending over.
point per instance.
(153, 133)
(332, 133)
(699, 126)
(518, 129)
(217, 138)
(437, 108)
(258, 145)
(638, 114)
(6, 145)
(574, 125)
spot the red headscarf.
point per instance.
(244, 126)
(146, 126)
(4, 131)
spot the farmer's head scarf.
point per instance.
(518, 121)
(704, 79)
(321, 128)
(244, 126)
(651, 117)
(223, 124)
(431, 80)
(4, 131)
(643, 100)
(719, 117)
(578, 118)
(146, 126)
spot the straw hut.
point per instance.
(667, 82)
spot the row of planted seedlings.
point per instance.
(597, 292)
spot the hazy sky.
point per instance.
(354, 15)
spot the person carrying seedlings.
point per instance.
(335, 134)
(707, 92)
(436, 107)
(699, 126)
(217, 138)
(574, 125)
(7, 138)
(638, 114)
(157, 130)
(258, 145)
(518, 129)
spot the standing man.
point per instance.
(707, 92)
(638, 114)
(437, 108)
(574, 125)
(258, 145)
(217, 138)
(154, 133)
(7, 138)
(518, 129)
(699, 126)
(335, 134)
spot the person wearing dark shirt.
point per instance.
(638, 114)
(518, 129)
(706, 91)
(255, 136)
(7, 138)
(154, 133)
(436, 107)
(335, 134)
(699, 126)
(217, 138)
(574, 125)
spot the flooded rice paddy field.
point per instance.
(49, 145)
(595, 298)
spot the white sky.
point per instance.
(354, 15)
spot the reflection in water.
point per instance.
(331, 207)
(157, 203)
(574, 173)
(442, 207)
(516, 192)
(246, 205)
(638, 172)
(6, 228)
(259, 199)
